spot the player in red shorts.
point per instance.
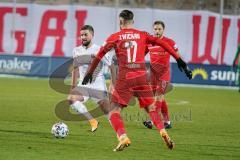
(160, 73)
(129, 45)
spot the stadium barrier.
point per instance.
(32, 66)
(220, 75)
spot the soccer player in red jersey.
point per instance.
(160, 73)
(130, 45)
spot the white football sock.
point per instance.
(81, 108)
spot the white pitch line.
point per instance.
(205, 86)
(180, 102)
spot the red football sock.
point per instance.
(117, 124)
(164, 110)
(156, 119)
(158, 105)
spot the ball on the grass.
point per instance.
(60, 130)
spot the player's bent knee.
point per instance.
(74, 98)
(115, 108)
(70, 100)
(169, 88)
(103, 102)
(149, 108)
(160, 97)
(105, 106)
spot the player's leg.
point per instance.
(166, 87)
(116, 122)
(156, 119)
(146, 101)
(98, 93)
(158, 105)
(165, 114)
(148, 123)
(161, 104)
(104, 105)
(76, 100)
(119, 99)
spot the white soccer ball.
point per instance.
(60, 130)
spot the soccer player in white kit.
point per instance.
(97, 90)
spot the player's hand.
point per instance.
(188, 73)
(183, 67)
(87, 78)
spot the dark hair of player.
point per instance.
(159, 23)
(87, 27)
(126, 15)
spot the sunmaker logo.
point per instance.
(215, 75)
(15, 65)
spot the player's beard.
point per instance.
(86, 43)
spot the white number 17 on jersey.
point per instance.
(129, 45)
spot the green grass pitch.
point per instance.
(206, 125)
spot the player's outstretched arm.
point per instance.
(75, 76)
(74, 81)
(181, 63)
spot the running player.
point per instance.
(160, 73)
(97, 91)
(129, 45)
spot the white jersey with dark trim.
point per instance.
(83, 57)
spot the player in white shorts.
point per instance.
(97, 90)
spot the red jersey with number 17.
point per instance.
(129, 46)
(129, 49)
